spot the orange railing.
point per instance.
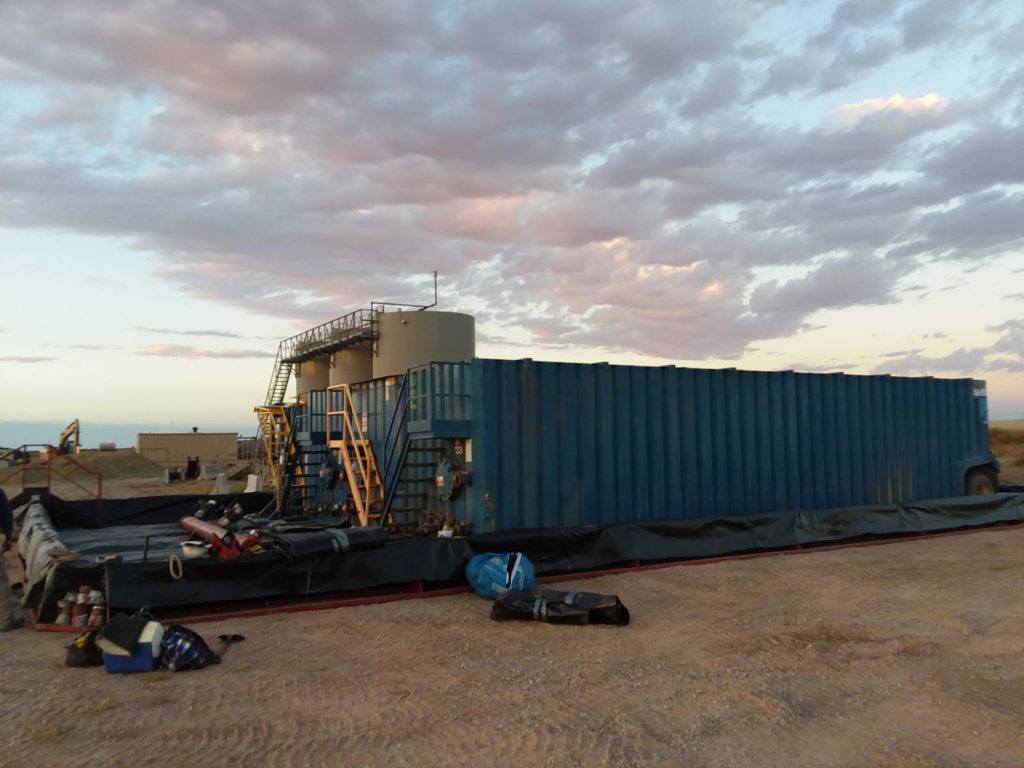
(47, 467)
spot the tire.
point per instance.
(980, 482)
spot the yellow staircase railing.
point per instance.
(276, 434)
(355, 454)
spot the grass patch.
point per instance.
(918, 646)
(47, 733)
(821, 637)
(104, 705)
(1007, 443)
(1002, 695)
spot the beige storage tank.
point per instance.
(406, 339)
(173, 449)
(312, 374)
(351, 365)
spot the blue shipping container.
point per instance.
(565, 445)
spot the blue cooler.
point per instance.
(144, 658)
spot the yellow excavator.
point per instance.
(69, 439)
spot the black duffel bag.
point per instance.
(558, 607)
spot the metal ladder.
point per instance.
(409, 465)
(282, 454)
(279, 378)
(355, 455)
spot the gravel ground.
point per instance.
(903, 654)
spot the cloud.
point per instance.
(619, 179)
(966, 361)
(902, 354)
(834, 284)
(980, 159)
(1005, 354)
(897, 106)
(179, 350)
(838, 367)
(25, 359)
(224, 334)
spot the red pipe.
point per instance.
(223, 542)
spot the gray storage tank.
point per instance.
(352, 364)
(407, 339)
(311, 374)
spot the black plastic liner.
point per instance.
(271, 574)
(328, 542)
(560, 550)
(145, 510)
(132, 583)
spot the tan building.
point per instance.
(173, 449)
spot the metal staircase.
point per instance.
(285, 462)
(356, 327)
(283, 457)
(290, 466)
(409, 467)
(280, 378)
(356, 457)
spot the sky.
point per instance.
(818, 186)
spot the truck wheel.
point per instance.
(979, 482)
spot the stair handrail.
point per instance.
(272, 387)
(292, 465)
(276, 443)
(396, 443)
(366, 468)
(324, 338)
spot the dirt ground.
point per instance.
(125, 474)
(903, 654)
(1007, 438)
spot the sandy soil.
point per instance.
(125, 474)
(1007, 438)
(903, 654)
(1012, 425)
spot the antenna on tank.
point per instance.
(435, 292)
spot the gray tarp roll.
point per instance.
(36, 542)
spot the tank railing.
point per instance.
(22, 458)
(396, 442)
(313, 412)
(23, 455)
(333, 418)
(15, 454)
(97, 494)
(417, 307)
(357, 325)
(438, 391)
